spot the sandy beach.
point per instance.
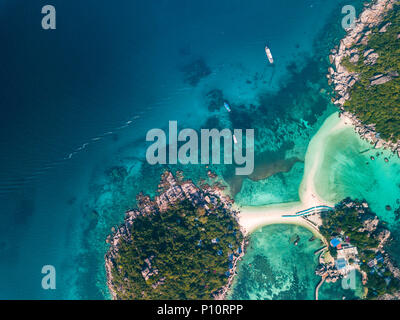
(254, 217)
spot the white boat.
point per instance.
(234, 139)
(269, 55)
(227, 107)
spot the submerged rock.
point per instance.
(195, 71)
(215, 99)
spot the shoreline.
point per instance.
(171, 190)
(343, 80)
(252, 218)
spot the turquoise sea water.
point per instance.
(77, 160)
(353, 168)
(274, 268)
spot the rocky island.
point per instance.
(358, 241)
(365, 74)
(365, 77)
(183, 244)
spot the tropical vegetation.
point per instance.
(190, 251)
(378, 104)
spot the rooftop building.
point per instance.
(335, 242)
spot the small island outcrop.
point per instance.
(365, 74)
(358, 241)
(183, 244)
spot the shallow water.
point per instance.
(64, 134)
(274, 268)
(349, 171)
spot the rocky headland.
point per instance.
(172, 191)
(358, 240)
(343, 79)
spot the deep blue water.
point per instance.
(68, 97)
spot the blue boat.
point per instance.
(227, 107)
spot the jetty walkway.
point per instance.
(312, 210)
(319, 286)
